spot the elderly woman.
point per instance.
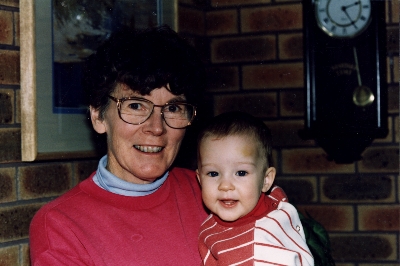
(136, 209)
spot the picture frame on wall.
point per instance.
(56, 36)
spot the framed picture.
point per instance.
(56, 36)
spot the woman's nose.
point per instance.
(155, 123)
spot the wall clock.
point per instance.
(345, 75)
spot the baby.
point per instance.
(246, 226)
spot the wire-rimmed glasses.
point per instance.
(135, 111)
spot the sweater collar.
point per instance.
(106, 180)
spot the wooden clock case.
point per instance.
(332, 118)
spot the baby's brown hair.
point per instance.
(242, 124)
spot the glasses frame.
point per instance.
(121, 100)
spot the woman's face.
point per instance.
(139, 153)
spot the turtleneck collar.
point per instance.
(106, 180)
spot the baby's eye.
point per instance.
(241, 173)
(212, 174)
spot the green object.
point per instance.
(317, 240)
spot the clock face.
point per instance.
(343, 18)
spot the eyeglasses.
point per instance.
(136, 111)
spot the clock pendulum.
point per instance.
(362, 95)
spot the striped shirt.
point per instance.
(271, 234)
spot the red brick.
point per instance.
(393, 99)
(396, 69)
(12, 3)
(9, 67)
(25, 255)
(392, 35)
(380, 159)
(10, 144)
(9, 256)
(8, 191)
(6, 27)
(364, 247)
(257, 104)
(331, 217)
(285, 133)
(15, 221)
(7, 106)
(292, 102)
(191, 21)
(392, 62)
(219, 3)
(18, 107)
(357, 189)
(17, 29)
(44, 180)
(223, 78)
(292, 186)
(379, 218)
(296, 161)
(290, 46)
(273, 76)
(243, 49)
(273, 18)
(84, 169)
(395, 11)
(221, 22)
(387, 13)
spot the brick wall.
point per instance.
(254, 57)
(24, 187)
(357, 203)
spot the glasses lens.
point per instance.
(135, 111)
(178, 115)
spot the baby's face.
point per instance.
(232, 172)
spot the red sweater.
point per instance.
(91, 226)
(271, 234)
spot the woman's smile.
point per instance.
(148, 149)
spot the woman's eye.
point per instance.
(241, 173)
(173, 109)
(135, 106)
(212, 174)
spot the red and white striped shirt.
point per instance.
(271, 234)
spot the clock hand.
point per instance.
(343, 8)
(354, 4)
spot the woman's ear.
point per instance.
(97, 122)
(268, 179)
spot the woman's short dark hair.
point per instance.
(143, 60)
(239, 124)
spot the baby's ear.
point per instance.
(198, 176)
(268, 179)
